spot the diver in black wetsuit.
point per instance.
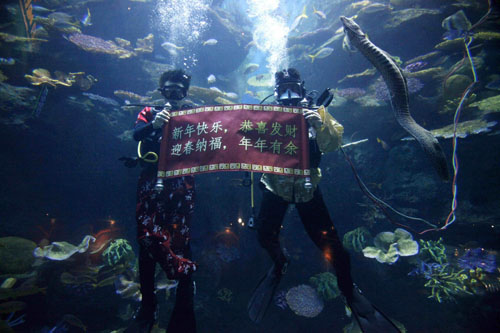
(325, 135)
(163, 218)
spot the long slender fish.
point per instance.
(396, 82)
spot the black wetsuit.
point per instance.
(317, 222)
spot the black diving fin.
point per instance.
(369, 318)
(264, 293)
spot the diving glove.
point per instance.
(161, 119)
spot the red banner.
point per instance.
(238, 137)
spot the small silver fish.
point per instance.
(210, 42)
(41, 10)
(211, 79)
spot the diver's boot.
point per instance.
(264, 292)
(369, 318)
(144, 319)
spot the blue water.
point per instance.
(61, 178)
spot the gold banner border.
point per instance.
(233, 167)
(237, 107)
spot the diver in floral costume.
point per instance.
(325, 135)
(163, 217)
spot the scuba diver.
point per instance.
(163, 217)
(325, 135)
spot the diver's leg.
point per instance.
(317, 222)
(183, 318)
(319, 226)
(271, 214)
(147, 277)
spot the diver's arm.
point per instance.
(142, 130)
(329, 135)
(143, 125)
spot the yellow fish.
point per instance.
(319, 13)
(298, 19)
(323, 53)
(384, 145)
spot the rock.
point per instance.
(16, 255)
(16, 103)
(488, 105)
(427, 75)
(455, 85)
(407, 16)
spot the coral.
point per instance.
(356, 239)
(326, 285)
(225, 295)
(415, 66)
(445, 282)
(118, 252)
(455, 85)
(280, 300)
(426, 75)
(464, 129)
(452, 45)
(351, 93)
(145, 45)
(42, 76)
(451, 105)
(408, 17)
(382, 92)
(62, 250)
(488, 105)
(304, 301)
(390, 245)
(433, 250)
(487, 35)
(16, 255)
(478, 258)
(127, 95)
(366, 73)
(98, 45)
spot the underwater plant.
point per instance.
(433, 250)
(356, 239)
(478, 258)
(326, 285)
(445, 282)
(119, 251)
(389, 246)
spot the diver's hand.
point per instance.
(161, 118)
(313, 118)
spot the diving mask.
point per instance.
(173, 90)
(289, 91)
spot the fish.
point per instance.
(396, 82)
(171, 48)
(41, 100)
(457, 21)
(250, 68)
(41, 10)
(210, 42)
(323, 53)
(346, 45)
(319, 13)
(298, 19)
(211, 79)
(231, 95)
(216, 89)
(8, 283)
(384, 145)
(260, 77)
(493, 85)
(86, 19)
(7, 61)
